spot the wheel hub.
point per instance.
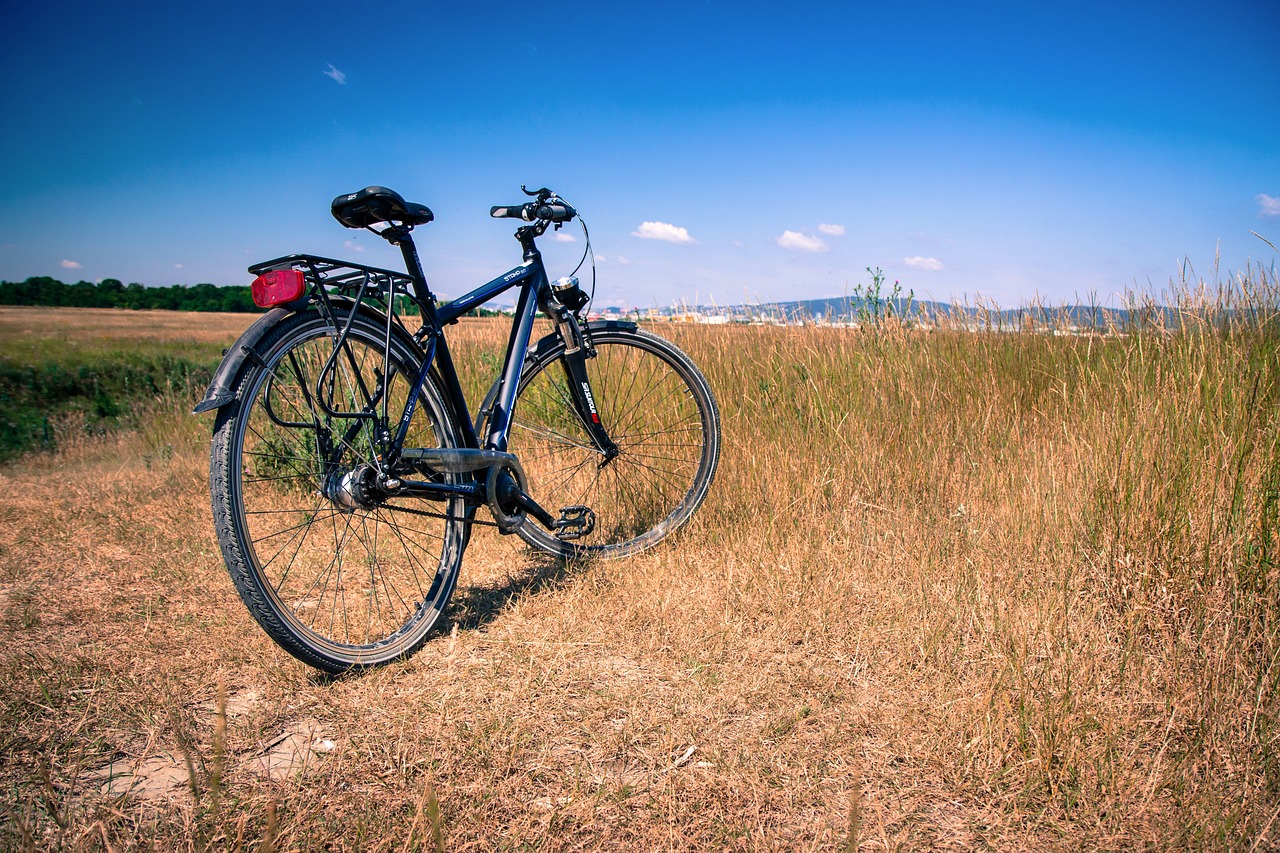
(353, 489)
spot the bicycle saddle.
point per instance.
(378, 204)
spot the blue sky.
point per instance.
(719, 151)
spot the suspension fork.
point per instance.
(577, 349)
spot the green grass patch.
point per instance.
(49, 396)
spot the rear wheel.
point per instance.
(336, 571)
(658, 409)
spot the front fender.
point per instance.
(543, 349)
(222, 388)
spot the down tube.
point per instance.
(517, 349)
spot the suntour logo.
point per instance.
(591, 403)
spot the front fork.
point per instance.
(577, 349)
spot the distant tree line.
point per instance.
(111, 293)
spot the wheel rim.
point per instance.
(652, 412)
(359, 583)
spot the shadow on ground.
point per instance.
(478, 606)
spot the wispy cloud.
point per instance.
(69, 265)
(562, 237)
(1268, 205)
(177, 266)
(352, 246)
(338, 76)
(798, 242)
(663, 231)
(833, 230)
(927, 264)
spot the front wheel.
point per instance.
(338, 573)
(660, 412)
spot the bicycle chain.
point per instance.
(429, 514)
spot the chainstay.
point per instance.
(429, 514)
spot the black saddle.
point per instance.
(378, 204)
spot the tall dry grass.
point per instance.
(952, 590)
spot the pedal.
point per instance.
(575, 522)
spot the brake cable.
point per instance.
(585, 252)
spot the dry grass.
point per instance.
(81, 327)
(952, 590)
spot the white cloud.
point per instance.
(1268, 205)
(177, 266)
(927, 264)
(338, 76)
(622, 259)
(352, 246)
(69, 265)
(562, 237)
(833, 230)
(663, 231)
(798, 242)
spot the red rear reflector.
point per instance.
(278, 287)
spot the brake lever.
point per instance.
(540, 194)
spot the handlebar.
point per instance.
(548, 211)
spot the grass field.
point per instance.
(951, 590)
(76, 372)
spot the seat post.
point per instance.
(398, 235)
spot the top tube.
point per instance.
(455, 309)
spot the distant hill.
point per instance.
(853, 309)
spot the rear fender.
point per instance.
(222, 388)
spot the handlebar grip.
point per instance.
(556, 212)
(522, 211)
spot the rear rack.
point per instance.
(391, 294)
(343, 277)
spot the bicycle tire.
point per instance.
(338, 587)
(656, 406)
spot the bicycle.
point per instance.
(346, 470)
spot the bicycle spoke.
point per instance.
(340, 576)
(648, 407)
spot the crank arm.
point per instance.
(509, 502)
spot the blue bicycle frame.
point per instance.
(531, 277)
(535, 294)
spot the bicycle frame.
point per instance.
(531, 277)
(535, 294)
